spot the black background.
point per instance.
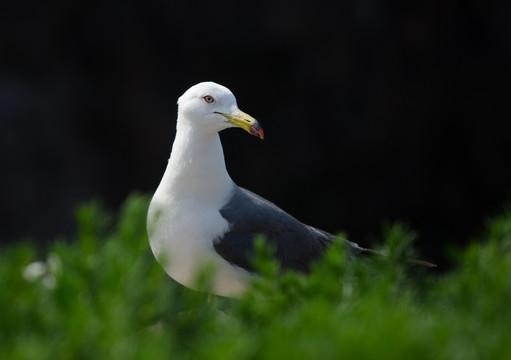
(373, 110)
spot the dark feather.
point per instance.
(249, 215)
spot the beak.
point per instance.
(246, 122)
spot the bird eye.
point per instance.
(209, 99)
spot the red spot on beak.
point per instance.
(257, 130)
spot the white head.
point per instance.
(212, 107)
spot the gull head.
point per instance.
(212, 108)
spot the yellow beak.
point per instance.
(246, 122)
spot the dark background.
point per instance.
(373, 110)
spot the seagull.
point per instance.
(199, 219)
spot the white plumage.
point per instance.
(183, 218)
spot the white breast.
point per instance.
(184, 220)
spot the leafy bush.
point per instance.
(103, 296)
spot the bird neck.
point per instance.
(196, 166)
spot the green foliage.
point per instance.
(103, 296)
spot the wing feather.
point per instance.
(249, 215)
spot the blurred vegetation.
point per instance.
(103, 296)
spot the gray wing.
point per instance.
(249, 215)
